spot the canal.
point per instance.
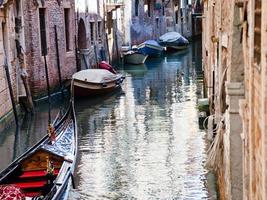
(142, 142)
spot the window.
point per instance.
(257, 33)
(176, 13)
(163, 7)
(99, 30)
(147, 7)
(67, 28)
(92, 24)
(42, 31)
(157, 23)
(136, 7)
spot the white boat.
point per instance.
(95, 82)
(133, 57)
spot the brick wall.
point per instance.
(35, 62)
(254, 108)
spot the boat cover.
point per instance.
(173, 37)
(131, 52)
(96, 75)
(152, 42)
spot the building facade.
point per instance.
(234, 60)
(50, 35)
(149, 19)
(224, 78)
(253, 108)
(10, 67)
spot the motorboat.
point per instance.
(173, 41)
(134, 57)
(150, 48)
(92, 82)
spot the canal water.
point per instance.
(142, 142)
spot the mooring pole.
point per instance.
(58, 62)
(117, 48)
(76, 55)
(48, 90)
(85, 62)
(11, 91)
(96, 58)
(108, 48)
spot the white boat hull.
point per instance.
(135, 58)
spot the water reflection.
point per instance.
(15, 141)
(144, 143)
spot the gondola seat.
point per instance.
(36, 174)
(33, 184)
(32, 194)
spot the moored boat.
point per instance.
(45, 171)
(134, 57)
(150, 48)
(173, 41)
(95, 82)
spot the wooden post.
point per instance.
(76, 55)
(48, 91)
(58, 62)
(108, 48)
(11, 91)
(96, 57)
(85, 62)
(117, 48)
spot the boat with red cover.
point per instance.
(92, 82)
(45, 170)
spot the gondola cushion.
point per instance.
(11, 192)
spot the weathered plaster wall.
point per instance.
(145, 27)
(224, 79)
(254, 107)
(7, 39)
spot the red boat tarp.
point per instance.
(107, 66)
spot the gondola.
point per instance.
(45, 171)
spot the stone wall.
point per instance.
(7, 41)
(224, 77)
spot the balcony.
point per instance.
(113, 5)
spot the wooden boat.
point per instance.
(150, 48)
(45, 171)
(134, 57)
(173, 41)
(95, 82)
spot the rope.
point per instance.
(214, 158)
